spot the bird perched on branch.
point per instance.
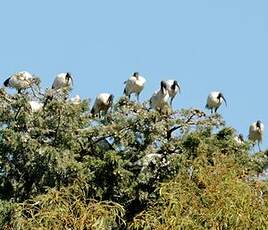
(134, 84)
(173, 88)
(76, 100)
(215, 100)
(102, 103)
(62, 80)
(256, 131)
(159, 99)
(239, 139)
(36, 106)
(21, 80)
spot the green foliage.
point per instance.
(36, 149)
(63, 168)
(67, 208)
(6, 211)
(213, 197)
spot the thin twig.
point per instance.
(16, 116)
(169, 132)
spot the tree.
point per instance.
(65, 154)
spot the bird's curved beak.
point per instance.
(110, 99)
(70, 78)
(224, 100)
(72, 81)
(177, 84)
(163, 86)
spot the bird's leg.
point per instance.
(171, 100)
(259, 146)
(138, 97)
(211, 111)
(216, 110)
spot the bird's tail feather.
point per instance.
(6, 82)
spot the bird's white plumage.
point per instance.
(75, 100)
(172, 92)
(36, 106)
(102, 103)
(147, 159)
(61, 81)
(21, 80)
(214, 100)
(238, 140)
(134, 84)
(173, 88)
(256, 133)
(159, 99)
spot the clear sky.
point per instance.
(205, 44)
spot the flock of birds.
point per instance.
(160, 99)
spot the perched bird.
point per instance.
(148, 159)
(159, 99)
(256, 131)
(21, 80)
(214, 101)
(76, 100)
(173, 88)
(134, 84)
(102, 103)
(239, 139)
(36, 106)
(62, 80)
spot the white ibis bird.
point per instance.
(256, 132)
(215, 100)
(159, 99)
(145, 161)
(76, 100)
(134, 84)
(239, 139)
(21, 80)
(62, 80)
(173, 88)
(36, 106)
(102, 103)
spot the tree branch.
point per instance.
(169, 132)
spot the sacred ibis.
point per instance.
(215, 100)
(239, 139)
(173, 88)
(134, 84)
(76, 100)
(62, 80)
(159, 99)
(36, 106)
(102, 103)
(256, 132)
(21, 80)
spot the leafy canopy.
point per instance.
(63, 168)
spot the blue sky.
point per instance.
(205, 45)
